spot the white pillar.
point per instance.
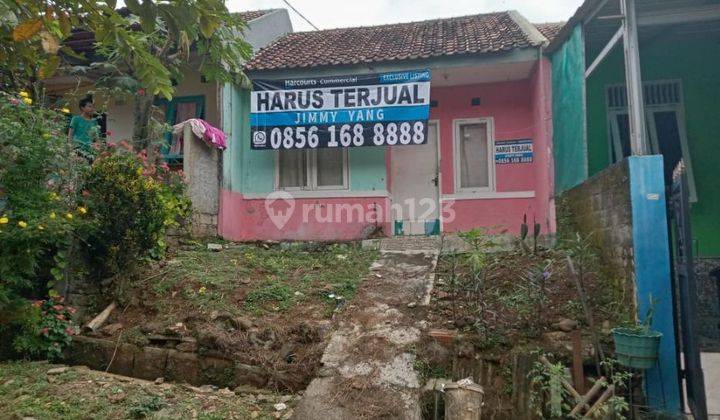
(633, 80)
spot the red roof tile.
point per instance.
(550, 30)
(249, 15)
(476, 34)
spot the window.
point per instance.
(474, 164)
(181, 108)
(665, 126)
(318, 169)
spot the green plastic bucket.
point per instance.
(636, 349)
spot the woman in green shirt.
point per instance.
(84, 128)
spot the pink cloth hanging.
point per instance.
(212, 136)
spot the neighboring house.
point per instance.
(636, 90)
(194, 98)
(490, 87)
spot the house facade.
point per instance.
(485, 162)
(636, 86)
(194, 97)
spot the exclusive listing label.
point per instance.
(385, 109)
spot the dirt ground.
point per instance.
(267, 306)
(520, 302)
(520, 296)
(43, 391)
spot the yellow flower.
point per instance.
(22, 224)
(46, 136)
(41, 227)
(68, 216)
(139, 170)
(82, 210)
(27, 101)
(65, 110)
(24, 94)
(202, 290)
(52, 215)
(4, 220)
(54, 196)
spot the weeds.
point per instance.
(145, 407)
(550, 399)
(245, 277)
(274, 292)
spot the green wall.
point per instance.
(696, 63)
(253, 171)
(568, 85)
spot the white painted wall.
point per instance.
(260, 32)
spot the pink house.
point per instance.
(481, 117)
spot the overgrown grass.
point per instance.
(247, 278)
(27, 391)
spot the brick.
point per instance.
(150, 363)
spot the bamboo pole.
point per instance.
(100, 319)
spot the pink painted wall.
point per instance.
(244, 219)
(520, 110)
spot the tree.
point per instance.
(140, 49)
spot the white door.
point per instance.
(415, 192)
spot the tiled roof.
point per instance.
(550, 30)
(476, 34)
(253, 14)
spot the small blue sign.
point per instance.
(513, 151)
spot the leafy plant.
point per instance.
(133, 204)
(524, 230)
(141, 49)
(48, 333)
(645, 326)
(550, 398)
(477, 259)
(146, 406)
(40, 205)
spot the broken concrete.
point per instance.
(368, 364)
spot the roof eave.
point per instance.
(566, 30)
(520, 54)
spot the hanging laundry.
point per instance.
(213, 136)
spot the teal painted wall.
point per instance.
(367, 169)
(696, 63)
(253, 171)
(568, 108)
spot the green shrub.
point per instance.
(48, 331)
(132, 204)
(63, 217)
(39, 206)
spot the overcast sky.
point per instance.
(326, 14)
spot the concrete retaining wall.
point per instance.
(156, 362)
